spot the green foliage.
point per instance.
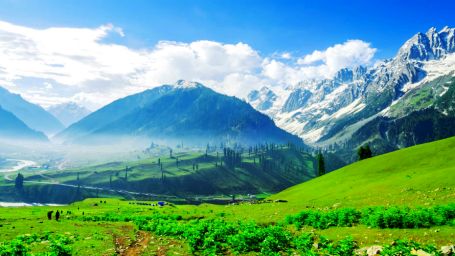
(345, 217)
(304, 243)
(404, 217)
(405, 247)
(378, 217)
(59, 245)
(218, 236)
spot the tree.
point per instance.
(19, 181)
(321, 164)
(364, 152)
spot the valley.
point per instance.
(394, 186)
(316, 128)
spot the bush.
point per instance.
(379, 217)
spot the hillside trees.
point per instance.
(321, 164)
(364, 152)
(19, 182)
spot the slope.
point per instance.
(68, 113)
(12, 127)
(185, 111)
(185, 175)
(419, 175)
(33, 115)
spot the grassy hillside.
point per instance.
(185, 175)
(413, 190)
(419, 175)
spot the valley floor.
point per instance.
(113, 226)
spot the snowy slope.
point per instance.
(330, 111)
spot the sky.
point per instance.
(93, 52)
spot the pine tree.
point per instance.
(19, 183)
(364, 152)
(321, 164)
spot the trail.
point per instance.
(139, 245)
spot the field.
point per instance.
(403, 201)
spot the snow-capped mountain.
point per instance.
(334, 113)
(68, 113)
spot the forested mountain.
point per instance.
(185, 111)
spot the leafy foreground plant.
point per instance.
(59, 245)
(211, 237)
(214, 237)
(378, 217)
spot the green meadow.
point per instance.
(403, 201)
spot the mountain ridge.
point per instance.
(326, 113)
(183, 111)
(34, 116)
(12, 128)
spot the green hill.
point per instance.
(419, 175)
(186, 175)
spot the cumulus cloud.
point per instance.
(48, 66)
(349, 54)
(320, 64)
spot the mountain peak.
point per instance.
(68, 112)
(187, 84)
(431, 31)
(429, 46)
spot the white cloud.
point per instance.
(53, 65)
(320, 64)
(349, 54)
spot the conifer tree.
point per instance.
(19, 182)
(321, 164)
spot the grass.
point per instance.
(210, 178)
(422, 176)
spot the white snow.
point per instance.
(352, 108)
(434, 69)
(186, 84)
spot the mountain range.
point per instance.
(34, 116)
(184, 111)
(396, 103)
(13, 128)
(68, 113)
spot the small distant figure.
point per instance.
(82, 213)
(49, 215)
(105, 201)
(57, 215)
(161, 203)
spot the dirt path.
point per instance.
(139, 245)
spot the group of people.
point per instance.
(57, 214)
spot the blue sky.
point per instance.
(93, 52)
(268, 26)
